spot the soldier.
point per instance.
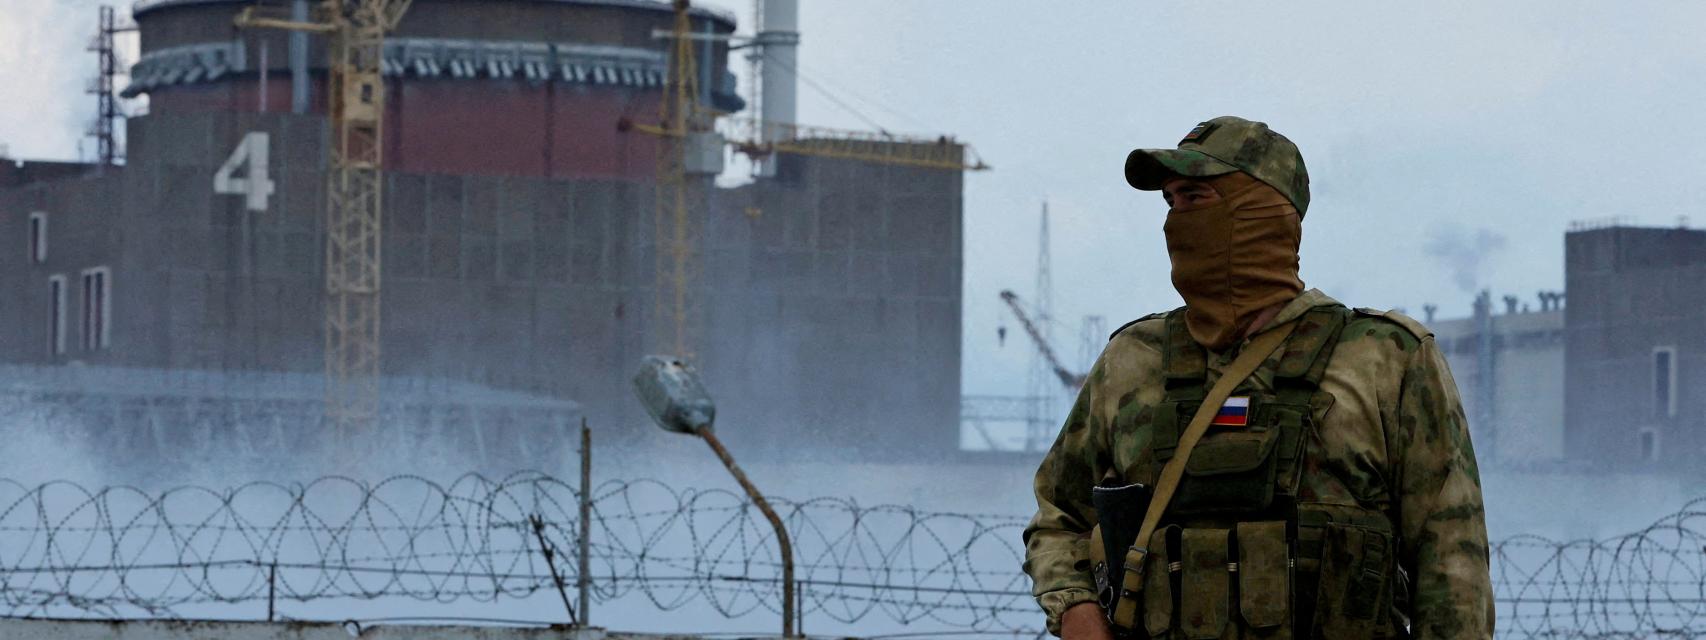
(1332, 493)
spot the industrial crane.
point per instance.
(355, 31)
(1072, 381)
(691, 134)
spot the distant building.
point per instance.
(1635, 384)
(1615, 380)
(519, 233)
(1509, 368)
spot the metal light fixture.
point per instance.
(670, 391)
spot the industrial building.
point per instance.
(1509, 367)
(1635, 340)
(520, 249)
(1613, 380)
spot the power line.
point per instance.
(828, 95)
(855, 95)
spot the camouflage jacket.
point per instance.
(1394, 441)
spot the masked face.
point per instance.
(1233, 256)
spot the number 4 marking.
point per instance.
(254, 183)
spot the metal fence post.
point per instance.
(272, 588)
(583, 576)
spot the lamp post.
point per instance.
(670, 391)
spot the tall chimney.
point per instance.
(299, 60)
(778, 41)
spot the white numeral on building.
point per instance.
(254, 183)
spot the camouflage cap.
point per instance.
(1221, 146)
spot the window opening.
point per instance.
(56, 315)
(1664, 382)
(38, 237)
(1649, 444)
(97, 308)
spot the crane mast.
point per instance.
(676, 233)
(356, 32)
(687, 131)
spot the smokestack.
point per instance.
(1484, 416)
(778, 41)
(299, 60)
(1511, 305)
(1429, 310)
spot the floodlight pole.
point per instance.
(782, 541)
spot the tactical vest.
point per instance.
(1237, 555)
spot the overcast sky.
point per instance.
(1450, 143)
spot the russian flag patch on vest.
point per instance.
(1234, 413)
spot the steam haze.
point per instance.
(1464, 254)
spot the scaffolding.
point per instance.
(104, 129)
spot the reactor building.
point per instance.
(173, 303)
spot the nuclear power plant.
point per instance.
(465, 225)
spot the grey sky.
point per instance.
(1430, 129)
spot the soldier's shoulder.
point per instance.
(1153, 325)
(1392, 325)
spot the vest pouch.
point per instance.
(1205, 585)
(1230, 471)
(1160, 576)
(1264, 580)
(1355, 584)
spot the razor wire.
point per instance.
(122, 552)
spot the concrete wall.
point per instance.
(835, 303)
(1632, 291)
(81, 233)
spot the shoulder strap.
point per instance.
(1254, 353)
(1183, 361)
(1123, 327)
(1310, 346)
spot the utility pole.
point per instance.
(1092, 336)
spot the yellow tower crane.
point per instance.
(689, 132)
(355, 31)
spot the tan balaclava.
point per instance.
(1234, 258)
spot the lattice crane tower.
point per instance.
(691, 151)
(354, 191)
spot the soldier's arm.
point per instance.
(1443, 528)
(1057, 548)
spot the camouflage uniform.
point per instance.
(1388, 448)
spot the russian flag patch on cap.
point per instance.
(1235, 413)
